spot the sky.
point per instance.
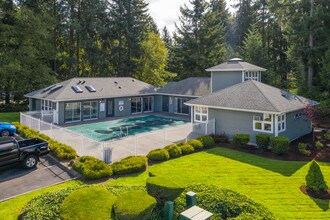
(166, 12)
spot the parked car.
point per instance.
(26, 152)
(7, 129)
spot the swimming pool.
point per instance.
(103, 131)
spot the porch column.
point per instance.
(192, 114)
(276, 125)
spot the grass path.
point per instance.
(9, 116)
(273, 183)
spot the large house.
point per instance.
(234, 96)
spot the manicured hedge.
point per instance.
(223, 203)
(186, 149)
(196, 144)
(220, 138)
(279, 145)
(158, 155)
(59, 150)
(92, 168)
(163, 189)
(132, 164)
(263, 140)
(173, 150)
(134, 205)
(207, 141)
(241, 139)
(88, 203)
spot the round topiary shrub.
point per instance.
(315, 179)
(279, 145)
(163, 189)
(186, 149)
(196, 144)
(88, 203)
(223, 203)
(92, 168)
(135, 205)
(207, 141)
(173, 150)
(158, 155)
(128, 165)
(263, 140)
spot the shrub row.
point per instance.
(92, 168)
(176, 150)
(59, 150)
(241, 139)
(279, 145)
(14, 107)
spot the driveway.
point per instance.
(15, 180)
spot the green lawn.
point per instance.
(272, 183)
(9, 116)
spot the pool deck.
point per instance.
(139, 144)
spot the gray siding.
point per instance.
(233, 122)
(221, 80)
(61, 113)
(158, 103)
(296, 127)
(127, 107)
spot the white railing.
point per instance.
(140, 144)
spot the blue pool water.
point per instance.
(103, 131)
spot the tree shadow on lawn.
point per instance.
(286, 168)
(323, 204)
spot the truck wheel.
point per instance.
(30, 161)
(5, 133)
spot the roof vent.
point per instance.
(115, 82)
(79, 82)
(120, 87)
(83, 82)
(77, 89)
(235, 60)
(133, 80)
(90, 88)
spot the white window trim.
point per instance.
(263, 123)
(280, 122)
(198, 111)
(252, 75)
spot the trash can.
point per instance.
(107, 155)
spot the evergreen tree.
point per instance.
(167, 38)
(130, 24)
(315, 180)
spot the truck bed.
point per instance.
(30, 142)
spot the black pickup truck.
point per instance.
(26, 152)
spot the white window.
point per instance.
(252, 76)
(263, 123)
(46, 105)
(281, 124)
(200, 114)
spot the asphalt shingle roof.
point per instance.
(105, 87)
(236, 64)
(193, 86)
(253, 95)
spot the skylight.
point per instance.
(57, 87)
(90, 88)
(77, 89)
(48, 88)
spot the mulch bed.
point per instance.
(322, 155)
(324, 196)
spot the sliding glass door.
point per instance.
(90, 110)
(110, 108)
(148, 104)
(136, 105)
(72, 112)
(166, 104)
(180, 107)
